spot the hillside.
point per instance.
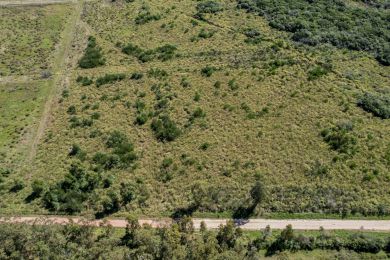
(177, 107)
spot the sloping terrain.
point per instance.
(186, 105)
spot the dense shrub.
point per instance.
(136, 76)
(210, 7)
(85, 81)
(340, 138)
(92, 57)
(122, 154)
(157, 73)
(362, 243)
(69, 194)
(318, 72)
(208, 71)
(146, 16)
(163, 53)
(324, 21)
(165, 129)
(376, 103)
(178, 241)
(109, 78)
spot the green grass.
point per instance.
(28, 38)
(21, 104)
(264, 118)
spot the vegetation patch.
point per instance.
(93, 56)
(341, 25)
(109, 78)
(163, 53)
(376, 103)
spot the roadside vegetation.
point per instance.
(182, 241)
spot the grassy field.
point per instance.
(243, 101)
(20, 108)
(28, 38)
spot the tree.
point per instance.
(227, 235)
(258, 193)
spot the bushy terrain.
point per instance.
(28, 37)
(181, 241)
(179, 107)
(28, 40)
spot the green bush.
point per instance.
(375, 103)
(69, 194)
(145, 17)
(210, 7)
(163, 53)
(165, 129)
(318, 72)
(341, 138)
(362, 243)
(136, 76)
(85, 81)
(109, 78)
(92, 57)
(208, 71)
(322, 21)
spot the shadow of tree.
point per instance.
(184, 212)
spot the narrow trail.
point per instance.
(33, 2)
(249, 224)
(61, 74)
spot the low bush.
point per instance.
(165, 129)
(145, 17)
(136, 76)
(163, 53)
(92, 57)
(109, 78)
(85, 81)
(341, 138)
(376, 103)
(318, 72)
(209, 7)
(69, 194)
(208, 71)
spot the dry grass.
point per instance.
(281, 145)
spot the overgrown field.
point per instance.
(183, 106)
(28, 38)
(20, 107)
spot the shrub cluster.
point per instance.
(92, 57)
(376, 103)
(109, 78)
(178, 241)
(122, 153)
(341, 138)
(163, 53)
(165, 129)
(324, 21)
(145, 16)
(208, 7)
(69, 194)
(85, 81)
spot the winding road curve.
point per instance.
(251, 224)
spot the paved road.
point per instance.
(252, 224)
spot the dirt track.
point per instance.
(252, 224)
(33, 2)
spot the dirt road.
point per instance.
(33, 2)
(252, 224)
